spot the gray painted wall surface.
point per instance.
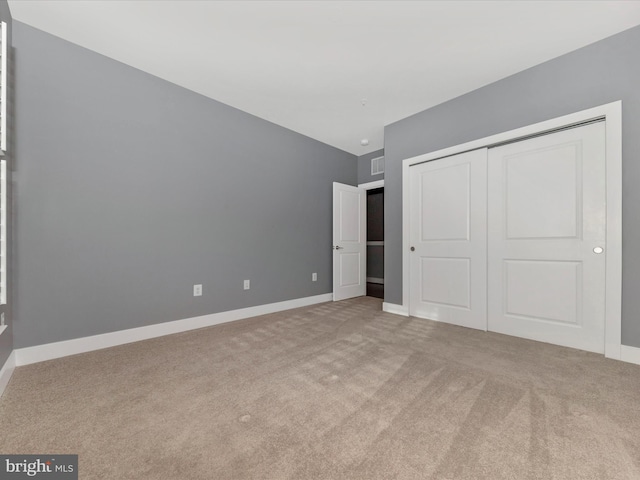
(131, 190)
(364, 167)
(600, 73)
(6, 339)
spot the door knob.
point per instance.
(598, 250)
(413, 249)
(338, 247)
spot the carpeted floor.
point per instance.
(333, 391)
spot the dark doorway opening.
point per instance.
(375, 243)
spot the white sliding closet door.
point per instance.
(547, 222)
(448, 219)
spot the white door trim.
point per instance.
(612, 113)
(372, 185)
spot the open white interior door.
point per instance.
(349, 241)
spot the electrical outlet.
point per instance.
(197, 290)
(247, 284)
(314, 277)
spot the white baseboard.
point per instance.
(630, 354)
(7, 371)
(49, 351)
(394, 308)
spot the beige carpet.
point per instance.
(333, 391)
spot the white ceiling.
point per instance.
(308, 65)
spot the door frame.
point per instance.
(612, 114)
(362, 226)
(372, 185)
(365, 186)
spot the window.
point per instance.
(4, 50)
(4, 53)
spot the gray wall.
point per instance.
(131, 190)
(364, 167)
(6, 339)
(603, 72)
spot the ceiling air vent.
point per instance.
(377, 166)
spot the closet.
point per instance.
(511, 238)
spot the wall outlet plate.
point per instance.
(314, 277)
(247, 284)
(197, 290)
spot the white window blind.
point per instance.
(4, 52)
